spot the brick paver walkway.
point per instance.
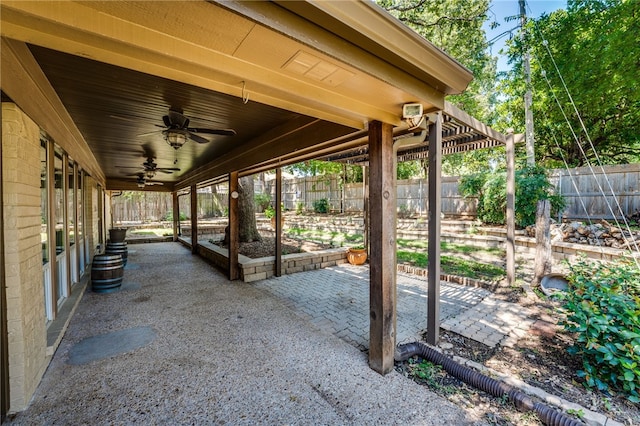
(336, 300)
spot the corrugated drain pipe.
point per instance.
(523, 402)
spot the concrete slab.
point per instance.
(225, 353)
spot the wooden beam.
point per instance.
(234, 227)
(382, 223)
(301, 132)
(278, 253)
(511, 208)
(194, 219)
(464, 118)
(433, 276)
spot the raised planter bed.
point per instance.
(264, 267)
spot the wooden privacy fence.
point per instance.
(580, 187)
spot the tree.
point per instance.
(408, 170)
(248, 231)
(351, 173)
(455, 26)
(595, 48)
(532, 185)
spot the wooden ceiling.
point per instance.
(118, 112)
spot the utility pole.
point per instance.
(542, 265)
(528, 97)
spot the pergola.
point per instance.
(296, 80)
(445, 132)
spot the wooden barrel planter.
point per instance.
(106, 273)
(118, 248)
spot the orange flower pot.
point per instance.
(356, 256)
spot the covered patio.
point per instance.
(123, 95)
(181, 344)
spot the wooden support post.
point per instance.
(511, 208)
(234, 227)
(194, 219)
(382, 221)
(278, 254)
(176, 215)
(435, 194)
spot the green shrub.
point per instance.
(603, 310)
(270, 212)
(262, 201)
(321, 206)
(299, 207)
(532, 185)
(169, 216)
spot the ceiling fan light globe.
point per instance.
(175, 139)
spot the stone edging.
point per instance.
(471, 282)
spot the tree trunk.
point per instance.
(246, 211)
(543, 242)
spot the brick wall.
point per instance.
(23, 256)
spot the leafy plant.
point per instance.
(262, 201)
(430, 374)
(532, 185)
(299, 207)
(169, 216)
(270, 212)
(579, 413)
(321, 206)
(603, 310)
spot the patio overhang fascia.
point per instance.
(367, 25)
(129, 36)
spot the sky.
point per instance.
(499, 9)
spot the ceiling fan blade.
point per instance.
(222, 132)
(197, 139)
(167, 169)
(168, 172)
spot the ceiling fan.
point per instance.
(150, 168)
(142, 182)
(177, 131)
